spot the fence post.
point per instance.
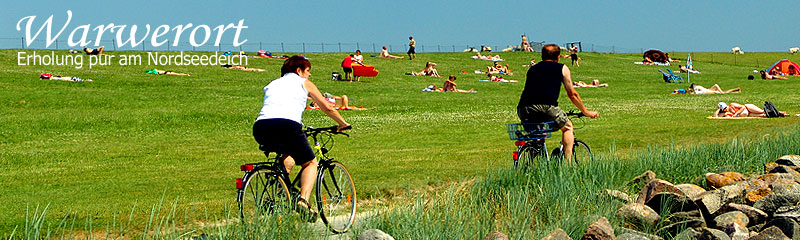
(168, 45)
(56, 44)
(304, 47)
(142, 45)
(421, 48)
(592, 47)
(373, 47)
(612, 49)
(193, 50)
(340, 47)
(259, 46)
(323, 47)
(282, 50)
(22, 39)
(358, 47)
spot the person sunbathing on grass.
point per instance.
(162, 72)
(243, 68)
(498, 79)
(697, 89)
(450, 86)
(95, 51)
(339, 102)
(490, 57)
(385, 54)
(430, 70)
(688, 69)
(48, 76)
(595, 84)
(765, 75)
(740, 110)
(496, 68)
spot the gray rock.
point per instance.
(770, 233)
(736, 231)
(781, 195)
(781, 169)
(789, 160)
(679, 227)
(631, 233)
(557, 234)
(692, 191)
(788, 226)
(639, 181)
(683, 216)
(792, 212)
(713, 234)
(732, 217)
(639, 215)
(754, 215)
(376, 234)
(711, 202)
(619, 196)
(654, 187)
(599, 230)
(668, 202)
(688, 234)
(631, 236)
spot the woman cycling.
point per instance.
(279, 125)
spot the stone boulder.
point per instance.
(713, 234)
(654, 187)
(688, 234)
(754, 215)
(781, 195)
(734, 217)
(599, 230)
(557, 234)
(377, 234)
(711, 202)
(789, 160)
(692, 191)
(718, 180)
(619, 196)
(770, 233)
(639, 181)
(668, 202)
(788, 226)
(639, 215)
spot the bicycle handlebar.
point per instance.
(332, 129)
(572, 113)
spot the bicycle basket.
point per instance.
(529, 131)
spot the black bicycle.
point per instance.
(263, 189)
(532, 149)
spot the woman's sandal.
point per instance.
(304, 208)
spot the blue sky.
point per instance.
(667, 25)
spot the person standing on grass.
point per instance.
(573, 54)
(279, 124)
(412, 53)
(539, 100)
(347, 67)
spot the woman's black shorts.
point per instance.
(412, 50)
(284, 136)
(347, 69)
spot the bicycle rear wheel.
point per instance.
(581, 153)
(529, 156)
(336, 197)
(263, 192)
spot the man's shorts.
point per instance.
(284, 136)
(543, 113)
(411, 50)
(347, 69)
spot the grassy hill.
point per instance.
(130, 138)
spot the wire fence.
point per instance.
(305, 47)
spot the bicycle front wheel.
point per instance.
(262, 193)
(336, 197)
(581, 153)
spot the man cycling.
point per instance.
(539, 100)
(279, 125)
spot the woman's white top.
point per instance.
(286, 98)
(359, 58)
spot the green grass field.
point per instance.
(129, 138)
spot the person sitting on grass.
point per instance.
(595, 84)
(243, 68)
(450, 86)
(162, 72)
(430, 70)
(385, 54)
(741, 110)
(697, 89)
(765, 75)
(339, 102)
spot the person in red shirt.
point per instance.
(347, 67)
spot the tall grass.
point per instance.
(529, 205)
